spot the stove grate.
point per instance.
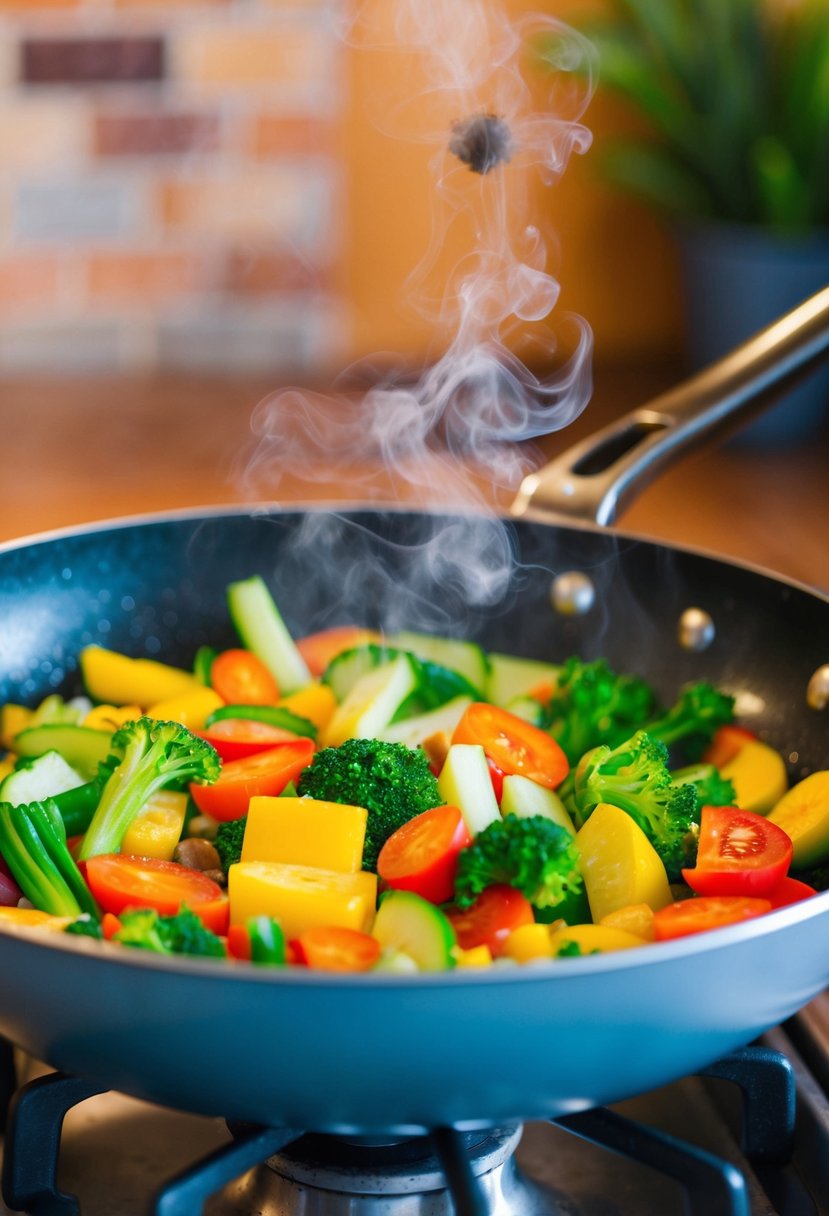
(712, 1186)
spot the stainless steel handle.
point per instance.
(596, 479)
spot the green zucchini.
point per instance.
(467, 658)
(262, 630)
(34, 779)
(80, 746)
(346, 668)
(511, 677)
(408, 923)
(273, 715)
(465, 782)
(413, 731)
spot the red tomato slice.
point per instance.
(422, 855)
(318, 649)
(703, 913)
(490, 920)
(336, 948)
(265, 773)
(790, 891)
(119, 881)
(240, 678)
(513, 745)
(236, 738)
(727, 742)
(740, 853)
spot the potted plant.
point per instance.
(735, 94)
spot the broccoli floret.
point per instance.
(33, 844)
(533, 854)
(592, 705)
(712, 789)
(151, 756)
(635, 776)
(228, 841)
(86, 926)
(393, 782)
(183, 933)
(699, 710)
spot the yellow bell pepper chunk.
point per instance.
(13, 719)
(759, 776)
(476, 956)
(619, 864)
(305, 832)
(110, 717)
(594, 938)
(301, 897)
(32, 918)
(156, 829)
(316, 702)
(119, 680)
(529, 942)
(191, 708)
(803, 814)
(634, 918)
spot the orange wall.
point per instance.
(615, 262)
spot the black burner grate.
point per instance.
(713, 1187)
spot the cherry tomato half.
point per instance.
(236, 738)
(318, 649)
(698, 915)
(740, 853)
(422, 855)
(241, 678)
(265, 773)
(489, 921)
(790, 891)
(336, 948)
(119, 881)
(513, 745)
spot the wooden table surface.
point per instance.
(83, 450)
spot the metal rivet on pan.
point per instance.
(696, 629)
(817, 693)
(572, 593)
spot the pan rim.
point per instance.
(560, 970)
(208, 512)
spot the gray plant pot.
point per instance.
(736, 280)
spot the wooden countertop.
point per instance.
(84, 450)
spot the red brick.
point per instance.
(142, 134)
(284, 135)
(271, 272)
(27, 282)
(91, 60)
(141, 276)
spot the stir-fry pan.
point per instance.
(374, 1052)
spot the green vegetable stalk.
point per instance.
(151, 755)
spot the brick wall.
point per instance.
(171, 194)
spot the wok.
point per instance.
(378, 1053)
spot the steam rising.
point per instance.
(459, 435)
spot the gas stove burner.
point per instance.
(339, 1176)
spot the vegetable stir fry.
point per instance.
(356, 802)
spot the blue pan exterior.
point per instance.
(374, 1053)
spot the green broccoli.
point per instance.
(712, 789)
(152, 755)
(592, 705)
(533, 854)
(182, 933)
(33, 844)
(635, 776)
(700, 709)
(393, 782)
(228, 841)
(86, 926)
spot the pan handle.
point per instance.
(597, 478)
